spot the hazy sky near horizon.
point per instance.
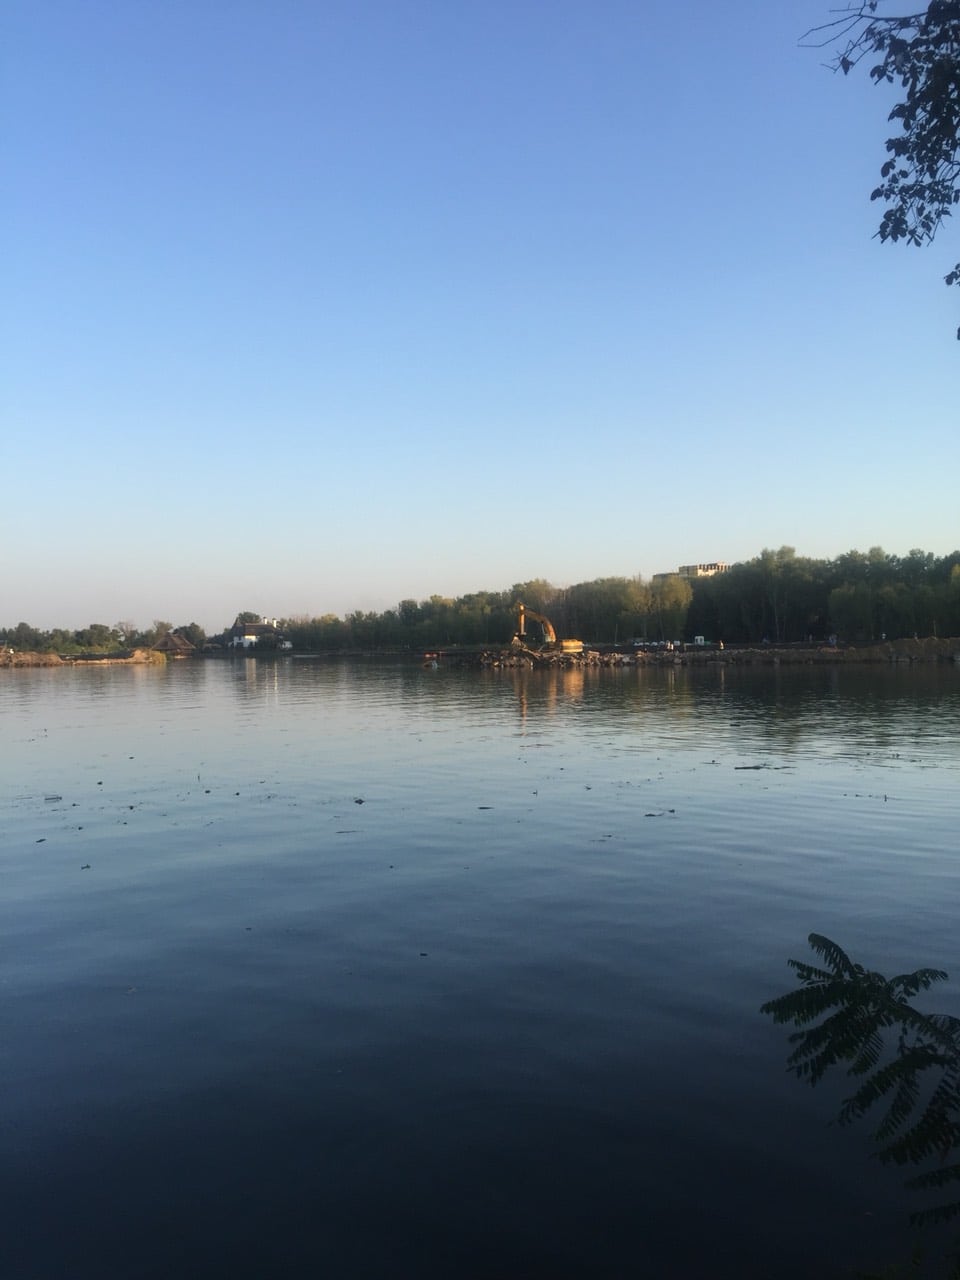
(316, 306)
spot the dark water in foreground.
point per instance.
(497, 1020)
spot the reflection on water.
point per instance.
(343, 969)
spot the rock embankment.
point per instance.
(930, 649)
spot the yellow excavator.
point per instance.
(550, 643)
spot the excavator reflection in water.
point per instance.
(549, 645)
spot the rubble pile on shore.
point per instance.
(930, 649)
(138, 657)
(12, 658)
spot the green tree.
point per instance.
(60, 641)
(918, 52)
(312, 635)
(605, 609)
(893, 611)
(441, 613)
(477, 618)
(902, 1061)
(882, 569)
(409, 613)
(743, 605)
(159, 629)
(194, 633)
(917, 567)
(25, 638)
(852, 610)
(125, 629)
(538, 594)
(775, 573)
(97, 638)
(670, 598)
(635, 613)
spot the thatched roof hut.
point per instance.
(174, 645)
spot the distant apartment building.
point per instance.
(695, 570)
(702, 570)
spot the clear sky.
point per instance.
(316, 305)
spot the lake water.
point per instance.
(354, 970)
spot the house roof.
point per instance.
(174, 643)
(253, 629)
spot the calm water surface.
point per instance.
(319, 969)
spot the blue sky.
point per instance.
(312, 307)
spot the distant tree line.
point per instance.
(97, 638)
(777, 596)
(858, 597)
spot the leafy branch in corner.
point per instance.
(920, 182)
(906, 1063)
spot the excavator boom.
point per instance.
(550, 642)
(549, 634)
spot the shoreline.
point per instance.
(138, 658)
(928, 650)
